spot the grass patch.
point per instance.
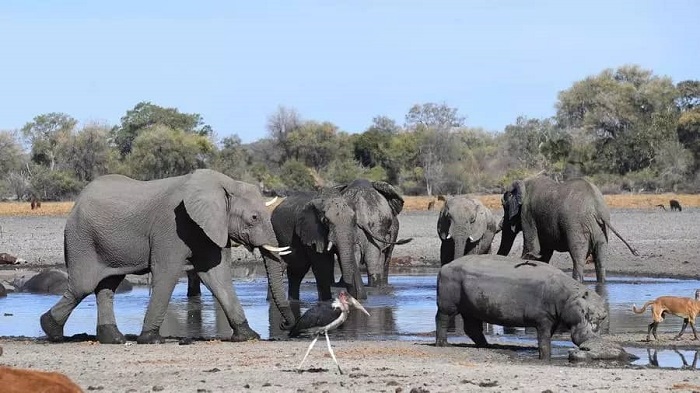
(24, 209)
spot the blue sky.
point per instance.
(342, 61)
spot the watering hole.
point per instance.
(405, 310)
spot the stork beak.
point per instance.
(357, 305)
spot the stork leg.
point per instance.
(328, 341)
(307, 352)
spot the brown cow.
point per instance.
(15, 380)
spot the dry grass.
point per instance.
(636, 201)
(411, 203)
(24, 209)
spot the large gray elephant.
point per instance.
(376, 205)
(120, 226)
(514, 293)
(318, 226)
(465, 226)
(569, 216)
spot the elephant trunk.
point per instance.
(274, 268)
(507, 239)
(346, 257)
(460, 245)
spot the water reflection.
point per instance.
(666, 358)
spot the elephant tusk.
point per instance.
(270, 202)
(285, 252)
(330, 245)
(471, 239)
(449, 236)
(275, 249)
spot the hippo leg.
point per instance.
(474, 329)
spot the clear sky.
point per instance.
(346, 61)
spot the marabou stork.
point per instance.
(324, 317)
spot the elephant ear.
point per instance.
(393, 197)
(443, 224)
(310, 227)
(206, 203)
(514, 201)
(480, 221)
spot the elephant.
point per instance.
(55, 282)
(465, 226)
(318, 226)
(121, 226)
(512, 293)
(376, 205)
(569, 216)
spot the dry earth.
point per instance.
(667, 242)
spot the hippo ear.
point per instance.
(310, 227)
(206, 202)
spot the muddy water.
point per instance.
(404, 311)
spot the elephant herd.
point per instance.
(121, 226)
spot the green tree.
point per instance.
(688, 94)
(161, 152)
(280, 125)
(12, 153)
(626, 112)
(296, 176)
(536, 143)
(314, 144)
(431, 115)
(232, 159)
(87, 152)
(46, 133)
(54, 184)
(146, 115)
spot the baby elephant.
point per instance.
(465, 226)
(515, 293)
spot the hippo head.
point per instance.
(584, 314)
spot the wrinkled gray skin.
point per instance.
(55, 282)
(120, 226)
(465, 226)
(568, 217)
(514, 293)
(318, 226)
(376, 205)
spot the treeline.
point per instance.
(627, 129)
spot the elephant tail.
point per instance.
(632, 250)
(644, 307)
(377, 238)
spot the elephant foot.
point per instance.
(150, 337)
(53, 330)
(243, 332)
(109, 334)
(442, 343)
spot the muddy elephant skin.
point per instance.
(515, 293)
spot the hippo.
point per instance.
(515, 293)
(55, 282)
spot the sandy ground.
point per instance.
(667, 243)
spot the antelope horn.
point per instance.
(270, 202)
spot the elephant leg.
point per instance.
(193, 281)
(164, 280)
(52, 321)
(387, 261)
(323, 271)
(600, 255)
(474, 329)
(107, 331)
(578, 257)
(447, 251)
(219, 281)
(79, 287)
(296, 270)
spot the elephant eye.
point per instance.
(254, 217)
